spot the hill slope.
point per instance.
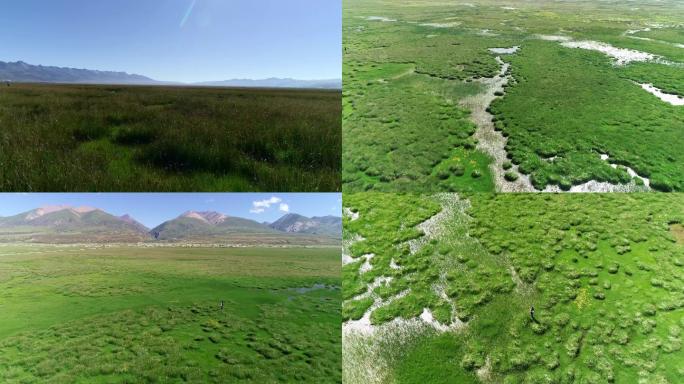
(65, 224)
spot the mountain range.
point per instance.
(67, 224)
(23, 72)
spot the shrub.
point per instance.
(457, 169)
(511, 176)
(565, 184)
(442, 175)
(661, 183)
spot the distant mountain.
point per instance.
(66, 224)
(294, 223)
(276, 83)
(22, 72)
(216, 227)
(205, 225)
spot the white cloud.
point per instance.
(284, 207)
(261, 205)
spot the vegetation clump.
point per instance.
(127, 314)
(410, 80)
(600, 271)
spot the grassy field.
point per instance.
(134, 138)
(610, 115)
(411, 70)
(151, 315)
(447, 289)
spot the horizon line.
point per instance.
(272, 77)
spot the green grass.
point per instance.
(133, 138)
(436, 359)
(405, 80)
(590, 110)
(386, 144)
(403, 126)
(147, 315)
(670, 35)
(604, 272)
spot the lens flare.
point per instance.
(188, 13)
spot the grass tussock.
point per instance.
(604, 273)
(152, 315)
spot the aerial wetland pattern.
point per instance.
(90, 314)
(139, 138)
(526, 96)
(438, 288)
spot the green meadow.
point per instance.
(554, 148)
(413, 71)
(448, 289)
(152, 315)
(141, 138)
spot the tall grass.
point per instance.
(114, 138)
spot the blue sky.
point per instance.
(178, 40)
(152, 209)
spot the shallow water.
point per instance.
(553, 37)
(504, 51)
(441, 25)
(380, 18)
(622, 56)
(315, 287)
(593, 186)
(489, 140)
(666, 97)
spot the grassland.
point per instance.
(439, 287)
(605, 107)
(134, 138)
(412, 70)
(151, 315)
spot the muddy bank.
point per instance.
(594, 186)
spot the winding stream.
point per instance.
(490, 140)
